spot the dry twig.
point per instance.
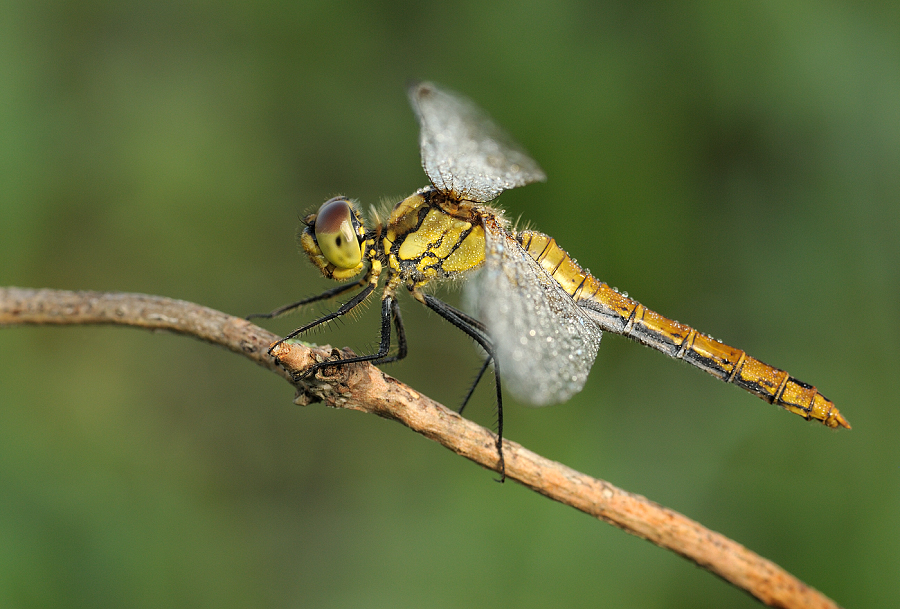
(364, 387)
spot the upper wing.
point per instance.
(544, 343)
(464, 153)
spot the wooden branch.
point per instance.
(366, 388)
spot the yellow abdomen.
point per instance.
(617, 313)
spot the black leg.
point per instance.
(401, 336)
(401, 333)
(484, 367)
(343, 310)
(387, 307)
(478, 332)
(463, 316)
(335, 291)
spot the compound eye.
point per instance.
(335, 234)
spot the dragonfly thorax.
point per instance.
(430, 236)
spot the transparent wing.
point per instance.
(464, 153)
(544, 342)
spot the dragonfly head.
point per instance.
(334, 239)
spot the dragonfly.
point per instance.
(537, 314)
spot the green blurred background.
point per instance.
(734, 165)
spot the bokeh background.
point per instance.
(734, 165)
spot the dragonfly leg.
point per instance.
(343, 310)
(401, 334)
(484, 367)
(389, 312)
(478, 332)
(335, 291)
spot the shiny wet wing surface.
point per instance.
(545, 344)
(464, 153)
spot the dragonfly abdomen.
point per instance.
(615, 312)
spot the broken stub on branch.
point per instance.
(314, 378)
